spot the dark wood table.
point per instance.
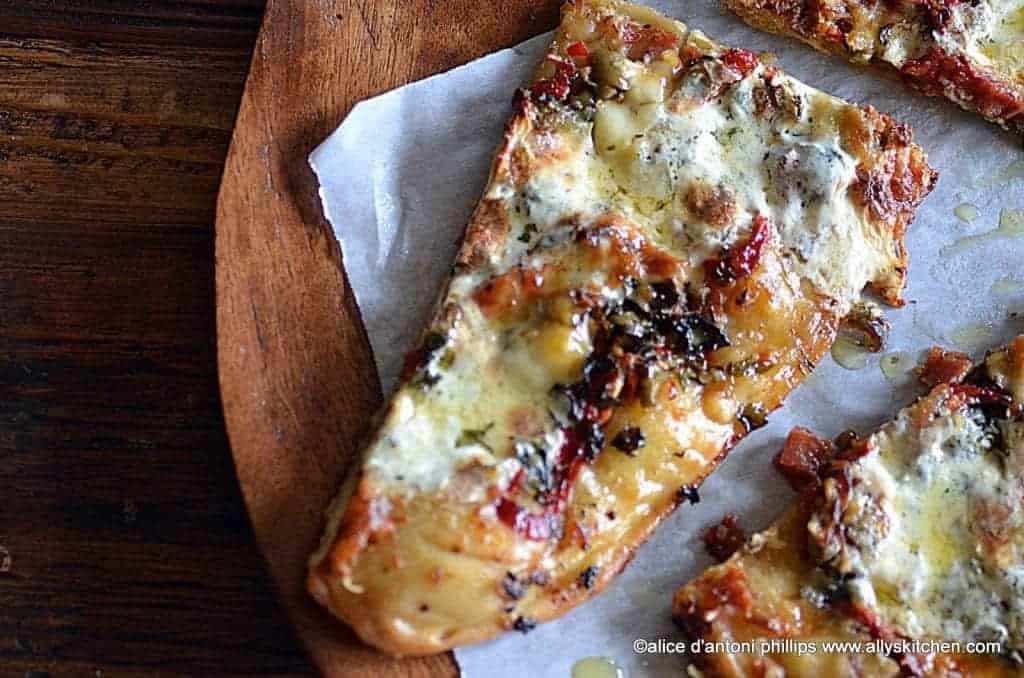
(124, 545)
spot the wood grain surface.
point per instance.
(124, 544)
(297, 380)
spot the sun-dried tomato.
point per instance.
(936, 71)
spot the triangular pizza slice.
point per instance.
(672, 232)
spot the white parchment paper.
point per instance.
(399, 179)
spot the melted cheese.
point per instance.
(924, 509)
(989, 33)
(637, 158)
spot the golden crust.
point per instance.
(756, 595)
(417, 571)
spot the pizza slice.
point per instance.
(672, 232)
(915, 533)
(970, 51)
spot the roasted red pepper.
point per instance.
(644, 41)
(578, 50)
(559, 86)
(740, 60)
(740, 261)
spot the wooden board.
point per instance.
(297, 379)
(124, 545)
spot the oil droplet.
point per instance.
(966, 212)
(1011, 225)
(971, 336)
(849, 353)
(895, 365)
(597, 667)
(1007, 285)
(1011, 222)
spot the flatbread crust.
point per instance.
(913, 533)
(671, 234)
(969, 52)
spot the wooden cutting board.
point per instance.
(296, 376)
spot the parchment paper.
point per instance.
(399, 179)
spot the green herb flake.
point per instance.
(474, 436)
(529, 231)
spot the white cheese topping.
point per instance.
(924, 510)
(640, 155)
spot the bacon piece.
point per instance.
(943, 367)
(802, 456)
(640, 41)
(724, 538)
(729, 588)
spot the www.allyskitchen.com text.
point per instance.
(764, 646)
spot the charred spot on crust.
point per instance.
(417, 362)
(524, 624)
(589, 576)
(688, 493)
(752, 417)
(512, 587)
(629, 440)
